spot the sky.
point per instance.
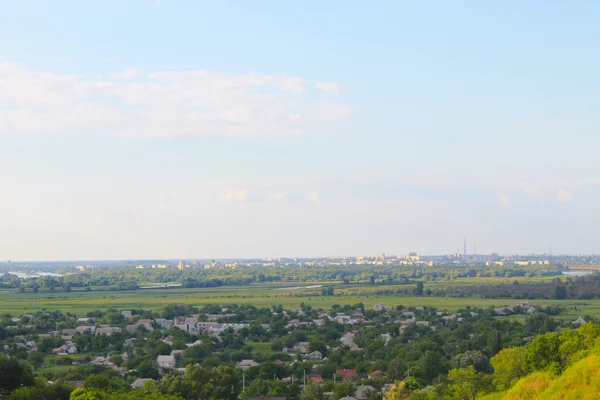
(146, 129)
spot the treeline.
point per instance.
(130, 278)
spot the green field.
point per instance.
(259, 295)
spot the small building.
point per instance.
(245, 364)
(376, 374)
(140, 382)
(108, 330)
(315, 355)
(347, 375)
(380, 307)
(166, 361)
(126, 314)
(579, 321)
(363, 392)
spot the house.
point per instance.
(530, 310)
(140, 382)
(166, 361)
(176, 352)
(363, 392)
(347, 375)
(386, 337)
(348, 339)
(245, 364)
(85, 320)
(86, 329)
(293, 324)
(195, 344)
(316, 379)
(164, 323)
(315, 355)
(348, 398)
(380, 307)
(235, 327)
(343, 319)
(70, 332)
(376, 374)
(501, 311)
(279, 362)
(72, 349)
(126, 314)
(579, 321)
(108, 330)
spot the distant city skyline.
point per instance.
(245, 130)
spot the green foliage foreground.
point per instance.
(552, 366)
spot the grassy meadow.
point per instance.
(264, 295)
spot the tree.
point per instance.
(430, 366)
(561, 292)
(464, 383)
(398, 391)
(55, 391)
(509, 366)
(85, 394)
(542, 353)
(310, 392)
(36, 359)
(473, 358)
(418, 291)
(343, 389)
(13, 374)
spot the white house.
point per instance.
(380, 307)
(166, 361)
(315, 355)
(245, 364)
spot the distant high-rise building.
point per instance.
(181, 265)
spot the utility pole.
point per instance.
(304, 377)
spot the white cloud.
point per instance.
(333, 111)
(329, 87)
(563, 196)
(503, 199)
(312, 197)
(234, 195)
(531, 188)
(171, 104)
(277, 196)
(130, 73)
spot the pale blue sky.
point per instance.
(191, 129)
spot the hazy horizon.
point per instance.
(231, 130)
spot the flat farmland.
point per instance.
(260, 295)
